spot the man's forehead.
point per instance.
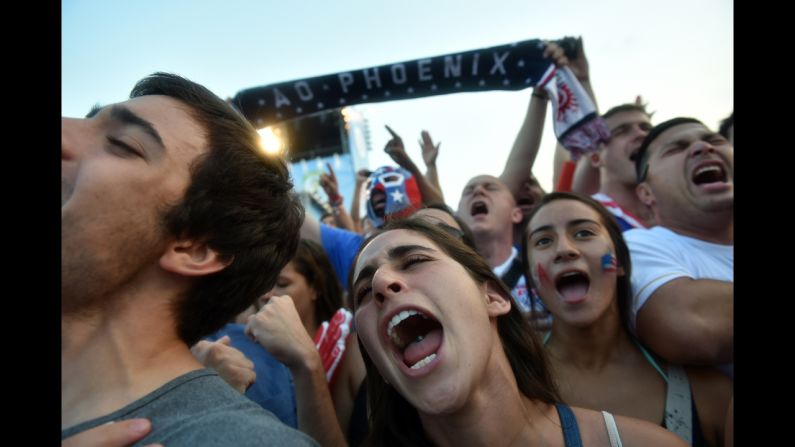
(685, 130)
(627, 117)
(481, 179)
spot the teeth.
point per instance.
(569, 274)
(707, 168)
(424, 361)
(397, 319)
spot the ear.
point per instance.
(192, 258)
(516, 215)
(645, 194)
(496, 303)
(620, 271)
(596, 157)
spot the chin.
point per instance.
(440, 400)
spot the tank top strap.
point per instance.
(568, 423)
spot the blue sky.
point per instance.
(678, 54)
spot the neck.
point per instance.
(591, 347)
(717, 228)
(116, 354)
(625, 197)
(495, 413)
(495, 250)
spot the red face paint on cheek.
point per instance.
(542, 275)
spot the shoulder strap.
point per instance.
(612, 430)
(571, 433)
(650, 359)
(511, 276)
(678, 405)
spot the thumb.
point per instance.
(225, 340)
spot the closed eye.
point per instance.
(125, 148)
(362, 293)
(415, 259)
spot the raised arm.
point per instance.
(361, 177)
(397, 151)
(328, 181)
(429, 153)
(586, 177)
(278, 328)
(525, 147)
(690, 321)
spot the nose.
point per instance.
(700, 148)
(638, 132)
(566, 251)
(70, 138)
(387, 284)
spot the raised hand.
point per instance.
(328, 181)
(578, 64)
(278, 328)
(231, 364)
(397, 151)
(429, 150)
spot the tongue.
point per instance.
(573, 291)
(417, 351)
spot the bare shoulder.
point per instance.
(632, 431)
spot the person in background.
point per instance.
(291, 315)
(682, 281)
(577, 260)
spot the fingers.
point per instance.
(392, 132)
(331, 171)
(114, 434)
(225, 340)
(555, 52)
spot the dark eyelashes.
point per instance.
(118, 143)
(408, 262)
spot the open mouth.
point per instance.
(526, 203)
(415, 337)
(477, 208)
(378, 199)
(709, 173)
(573, 286)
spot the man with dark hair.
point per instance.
(608, 175)
(682, 278)
(172, 223)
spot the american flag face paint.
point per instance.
(609, 262)
(543, 278)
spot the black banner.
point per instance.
(505, 67)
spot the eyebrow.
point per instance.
(572, 223)
(706, 135)
(368, 271)
(126, 116)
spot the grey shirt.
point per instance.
(200, 409)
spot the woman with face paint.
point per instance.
(578, 262)
(450, 359)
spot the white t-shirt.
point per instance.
(659, 255)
